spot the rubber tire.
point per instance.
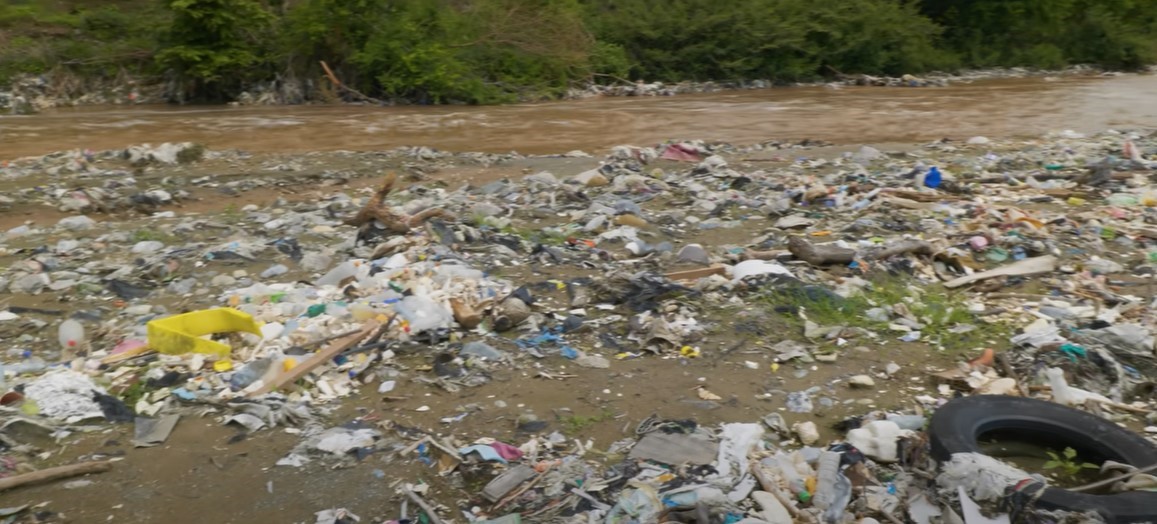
(957, 426)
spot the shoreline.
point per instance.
(31, 94)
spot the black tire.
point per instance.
(957, 426)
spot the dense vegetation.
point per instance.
(485, 51)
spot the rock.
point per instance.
(867, 154)
(630, 220)
(593, 361)
(146, 247)
(545, 178)
(592, 178)
(18, 231)
(315, 261)
(794, 222)
(978, 141)
(3, 284)
(166, 153)
(485, 209)
(807, 432)
(694, 253)
(29, 284)
(222, 281)
(861, 381)
(77, 223)
(712, 163)
(64, 247)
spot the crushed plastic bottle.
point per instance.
(343, 271)
(1122, 200)
(249, 374)
(423, 314)
(274, 271)
(71, 335)
(833, 489)
(28, 366)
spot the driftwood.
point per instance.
(696, 274)
(1028, 266)
(395, 221)
(775, 254)
(50, 474)
(819, 255)
(321, 357)
(338, 84)
(822, 255)
(915, 247)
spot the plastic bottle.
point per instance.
(833, 489)
(362, 311)
(422, 313)
(249, 374)
(71, 335)
(343, 271)
(1122, 200)
(274, 271)
(31, 366)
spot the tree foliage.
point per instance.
(486, 51)
(212, 43)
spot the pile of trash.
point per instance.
(29, 94)
(934, 79)
(1022, 267)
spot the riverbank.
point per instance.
(27, 95)
(183, 229)
(1010, 107)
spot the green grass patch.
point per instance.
(574, 423)
(941, 313)
(145, 235)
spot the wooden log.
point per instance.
(317, 359)
(57, 473)
(820, 255)
(916, 247)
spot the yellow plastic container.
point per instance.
(180, 334)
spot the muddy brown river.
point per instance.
(850, 114)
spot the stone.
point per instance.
(29, 284)
(807, 432)
(793, 222)
(222, 281)
(978, 141)
(485, 209)
(146, 247)
(77, 223)
(867, 154)
(592, 178)
(694, 253)
(315, 261)
(861, 381)
(630, 220)
(545, 178)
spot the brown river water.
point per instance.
(1020, 107)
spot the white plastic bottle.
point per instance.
(343, 271)
(71, 335)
